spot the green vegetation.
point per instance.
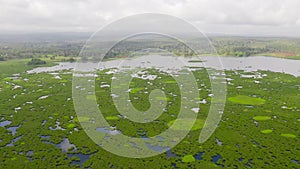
(71, 125)
(42, 109)
(7, 68)
(112, 118)
(13, 66)
(188, 159)
(241, 99)
(225, 46)
(261, 118)
(289, 135)
(266, 131)
(56, 49)
(36, 62)
(63, 50)
(195, 61)
(197, 125)
(263, 46)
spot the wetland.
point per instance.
(39, 127)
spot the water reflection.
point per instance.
(229, 63)
(82, 157)
(29, 154)
(295, 161)
(170, 154)
(5, 123)
(198, 156)
(174, 165)
(111, 131)
(13, 129)
(44, 137)
(219, 142)
(12, 143)
(157, 147)
(65, 145)
(216, 158)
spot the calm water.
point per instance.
(13, 129)
(82, 157)
(167, 62)
(5, 123)
(216, 158)
(198, 156)
(65, 145)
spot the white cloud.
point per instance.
(230, 16)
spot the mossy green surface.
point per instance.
(267, 131)
(188, 159)
(288, 135)
(197, 125)
(241, 99)
(261, 118)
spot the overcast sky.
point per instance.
(245, 17)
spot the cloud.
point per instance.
(89, 15)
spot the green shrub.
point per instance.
(36, 62)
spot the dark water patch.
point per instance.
(13, 129)
(5, 123)
(83, 158)
(134, 145)
(295, 161)
(255, 143)
(144, 137)
(170, 154)
(249, 163)
(156, 147)
(256, 123)
(44, 122)
(65, 145)
(219, 142)
(216, 158)
(174, 165)
(57, 127)
(198, 156)
(142, 133)
(161, 139)
(108, 131)
(44, 137)
(29, 154)
(12, 143)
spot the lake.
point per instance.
(252, 63)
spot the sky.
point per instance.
(232, 17)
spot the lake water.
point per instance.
(13, 129)
(216, 158)
(82, 157)
(5, 123)
(65, 145)
(198, 156)
(13, 141)
(167, 62)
